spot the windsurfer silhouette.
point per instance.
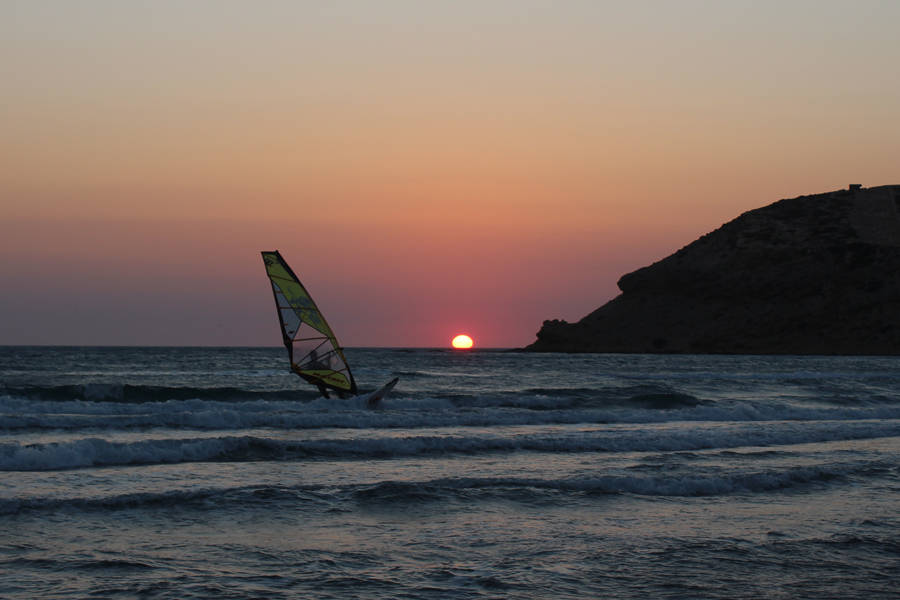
(315, 364)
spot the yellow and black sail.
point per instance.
(313, 349)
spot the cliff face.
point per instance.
(810, 275)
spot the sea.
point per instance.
(216, 473)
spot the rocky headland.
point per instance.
(816, 274)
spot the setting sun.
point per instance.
(462, 341)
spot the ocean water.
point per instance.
(215, 473)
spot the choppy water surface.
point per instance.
(214, 472)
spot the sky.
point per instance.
(427, 168)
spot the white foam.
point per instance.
(96, 451)
(759, 481)
(437, 489)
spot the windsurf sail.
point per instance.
(313, 349)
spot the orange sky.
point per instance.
(476, 166)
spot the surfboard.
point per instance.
(373, 398)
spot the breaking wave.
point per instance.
(97, 452)
(19, 413)
(135, 394)
(450, 489)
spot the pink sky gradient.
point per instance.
(426, 170)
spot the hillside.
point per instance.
(816, 274)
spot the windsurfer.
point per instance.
(298, 313)
(315, 364)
